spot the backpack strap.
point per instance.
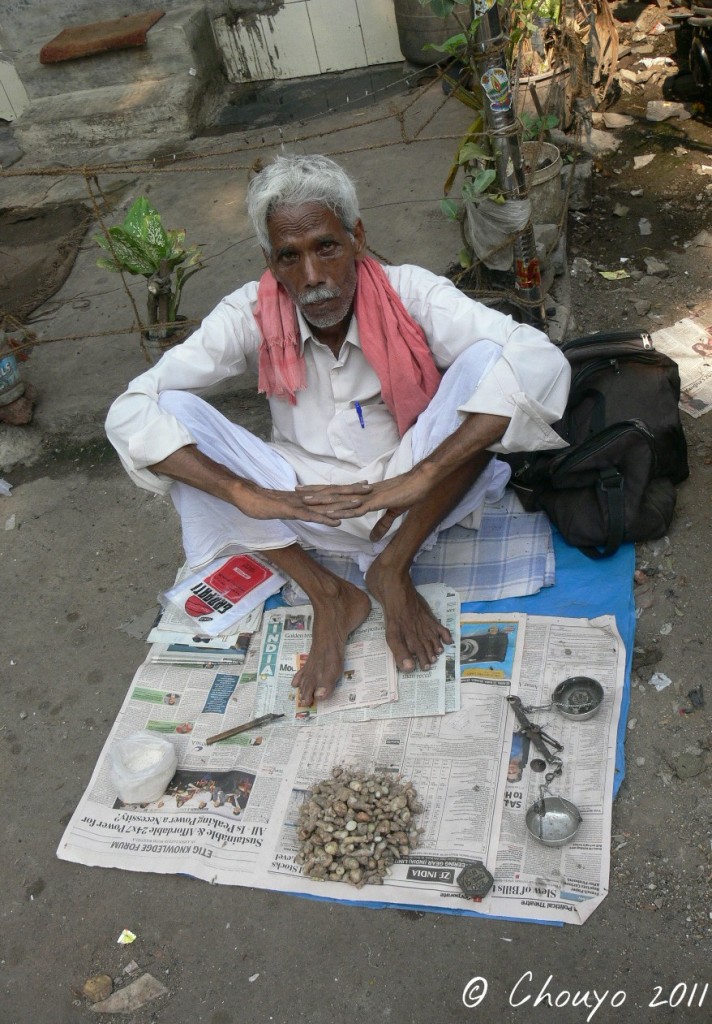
(610, 483)
(597, 419)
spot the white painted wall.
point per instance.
(308, 37)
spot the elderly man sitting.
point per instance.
(389, 391)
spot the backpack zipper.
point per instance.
(649, 358)
(569, 460)
(609, 336)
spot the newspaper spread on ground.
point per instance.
(689, 343)
(371, 687)
(566, 882)
(228, 814)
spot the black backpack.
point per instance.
(615, 481)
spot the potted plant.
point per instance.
(141, 245)
(529, 28)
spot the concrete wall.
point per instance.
(307, 37)
(179, 76)
(31, 23)
(260, 38)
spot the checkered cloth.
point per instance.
(510, 555)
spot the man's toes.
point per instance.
(400, 650)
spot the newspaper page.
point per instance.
(228, 814)
(212, 817)
(458, 764)
(689, 343)
(369, 675)
(431, 691)
(567, 882)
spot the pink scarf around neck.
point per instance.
(392, 342)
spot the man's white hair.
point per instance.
(293, 180)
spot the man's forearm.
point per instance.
(474, 435)
(463, 447)
(188, 465)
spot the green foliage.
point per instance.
(141, 245)
(455, 45)
(450, 208)
(470, 151)
(477, 184)
(474, 156)
(535, 127)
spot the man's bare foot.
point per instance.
(334, 621)
(413, 633)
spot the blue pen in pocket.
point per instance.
(359, 413)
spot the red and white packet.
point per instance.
(224, 592)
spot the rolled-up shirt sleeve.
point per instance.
(225, 345)
(529, 383)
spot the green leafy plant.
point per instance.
(140, 245)
(534, 128)
(526, 23)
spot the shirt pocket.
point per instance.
(364, 439)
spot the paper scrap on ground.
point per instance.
(612, 120)
(614, 275)
(126, 1000)
(660, 681)
(661, 110)
(228, 814)
(702, 238)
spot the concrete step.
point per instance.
(171, 45)
(143, 92)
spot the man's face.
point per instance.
(514, 771)
(314, 258)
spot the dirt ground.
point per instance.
(82, 562)
(662, 846)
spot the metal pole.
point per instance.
(491, 68)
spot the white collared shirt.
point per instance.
(321, 436)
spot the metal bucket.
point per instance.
(417, 27)
(544, 183)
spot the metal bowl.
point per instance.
(578, 697)
(553, 820)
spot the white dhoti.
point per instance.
(213, 528)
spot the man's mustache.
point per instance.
(320, 294)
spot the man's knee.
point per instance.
(180, 402)
(474, 362)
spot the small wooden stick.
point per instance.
(263, 720)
